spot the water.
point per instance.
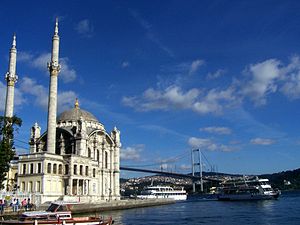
(285, 210)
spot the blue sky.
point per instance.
(222, 76)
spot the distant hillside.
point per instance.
(285, 180)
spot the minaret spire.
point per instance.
(56, 27)
(11, 79)
(54, 69)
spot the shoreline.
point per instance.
(81, 208)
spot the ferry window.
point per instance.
(39, 168)
(54, 168)
(24, 168)
(66, 169)
(31, 168)
(49, 168)
(81, 170)
(75, 170)
(60, 169)
(94, 172)
(86, 170)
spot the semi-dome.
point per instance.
(75, 114)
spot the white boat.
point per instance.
(247, 189)
(57, 213)
(152, 192)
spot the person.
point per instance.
(1, 206)
(24, 204)
(29, 205)
(17, 205)
(14, 205)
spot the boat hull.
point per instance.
(74, 221)
(246, 197)
(175, 197)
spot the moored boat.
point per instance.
(247, 189)
(57, 213)
(152, 192)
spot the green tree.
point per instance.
(7, 153)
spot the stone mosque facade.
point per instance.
(76, 159)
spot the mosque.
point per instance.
(76, 158)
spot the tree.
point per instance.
(7, 153)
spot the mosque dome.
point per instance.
(75, 114)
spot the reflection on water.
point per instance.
(284, 211)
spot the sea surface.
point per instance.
(285, 210)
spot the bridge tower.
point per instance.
(197, 167)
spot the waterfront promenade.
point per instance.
(100, 207)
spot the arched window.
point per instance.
(81, 170)
(89, 153)
(24, 168)
(31, 168)
(39, 169)
(49, 168)
(98, 155)
(66, 169)
(60, 169)
(86, 170)
(54, 168)
(106, 160)
(75, 170)
(94, 172)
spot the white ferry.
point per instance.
(163, 192)
(247, 189)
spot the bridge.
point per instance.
(194, 178)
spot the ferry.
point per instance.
(152, 192)
(57, 213)
(247, 189)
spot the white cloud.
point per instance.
(216, 130)
(24, 56)
(85, 28)
(29, 86)
(208, 144)
(262, 141)
(173, 97)
(2, 96)
(291, 86)
(216, 74)
(132, 153)
(202, 143)
(215, 101)
(18, 97)
(125, 64)
(67, 73)
(263, 81)
(195, 65)
(40, 61)
(65, 100)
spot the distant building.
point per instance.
(76, 158)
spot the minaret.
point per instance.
(11, 79)
(54, 69)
